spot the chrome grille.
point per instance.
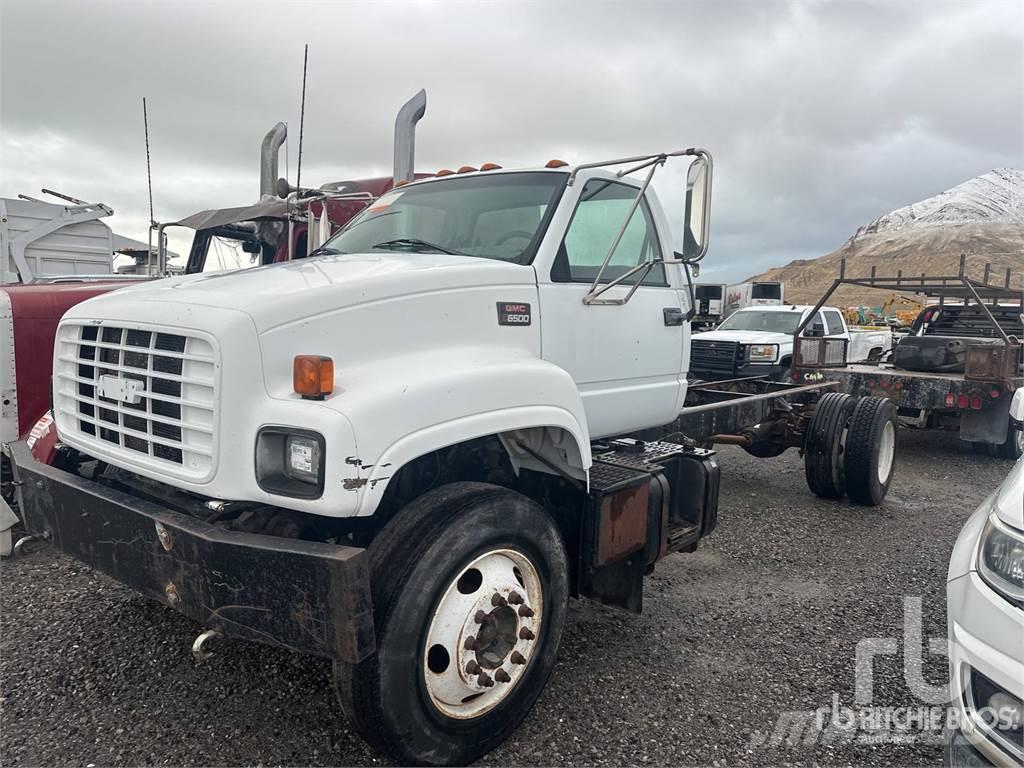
(145, 394)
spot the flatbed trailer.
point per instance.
(984, 401)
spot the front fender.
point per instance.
(412, 407)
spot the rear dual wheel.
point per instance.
(850, 448)
(870, 450)
(1011, 448)
(824, 443)
(470, 585)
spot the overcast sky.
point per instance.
(820, 116)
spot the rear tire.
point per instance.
(1013, 446)
(870, 459)
(823, 445)
(417, 703)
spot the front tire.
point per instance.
(470, 585)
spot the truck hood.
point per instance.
(283, 293)
(746, 337)
(1009, 502)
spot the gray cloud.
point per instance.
(820, 115)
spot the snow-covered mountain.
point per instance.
(996, 196)
(982, 218)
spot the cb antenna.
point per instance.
(149, 184)
(302, 117)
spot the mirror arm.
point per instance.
(622, 230)
(692, 311)
(592, 295)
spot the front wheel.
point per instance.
(470, 585)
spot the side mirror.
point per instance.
(815, 331)
(697, 214)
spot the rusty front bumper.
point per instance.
(307, 596)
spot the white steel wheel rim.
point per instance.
(886, 451)
(483, 634)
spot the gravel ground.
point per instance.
(762, 620)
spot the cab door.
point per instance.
(626, 359)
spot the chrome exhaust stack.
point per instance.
(405, 136)
(268, 158)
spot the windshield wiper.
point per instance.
(416, 244)
(325, 251)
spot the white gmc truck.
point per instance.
(406, 452)
(758, 341)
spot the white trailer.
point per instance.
(41, 241)
(753, 294)
(710, 304)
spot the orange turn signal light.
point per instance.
(313, 376)
(555, 164)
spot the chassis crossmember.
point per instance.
(307, 596)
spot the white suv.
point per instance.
(985, 597)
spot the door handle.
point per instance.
(673, 315)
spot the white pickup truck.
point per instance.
(758, 341)
(405, 452)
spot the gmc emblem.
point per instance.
(513, 313)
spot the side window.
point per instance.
(598, 217)
(835, 323)
(816, 322)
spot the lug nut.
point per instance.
(480, 617)
(502, 676)
(472, 668)
(526, 634)
(497, 600)
(517, 658)
(484, 679)
(525, 611)
(515, 598)
(470, 644)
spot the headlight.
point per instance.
(290, 462)
(763, 352)
(1001, 558)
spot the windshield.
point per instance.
(497, 216)
(752, 320)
